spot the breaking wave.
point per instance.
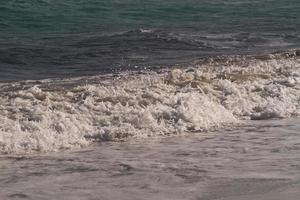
(210, 94)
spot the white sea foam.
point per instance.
(40, 117)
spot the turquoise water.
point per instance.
(73, 38)
(39, 17)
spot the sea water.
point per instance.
(149, 99)
(49, 39)
(259, 161)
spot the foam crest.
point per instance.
(201, 98)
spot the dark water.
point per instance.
(48, 38)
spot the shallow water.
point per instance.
(259, 160)
(122, 56)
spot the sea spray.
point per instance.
(203, 97)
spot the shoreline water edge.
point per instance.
(208, 94)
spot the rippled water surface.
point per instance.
(46, 38)
(259, 161)
(226, 76)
